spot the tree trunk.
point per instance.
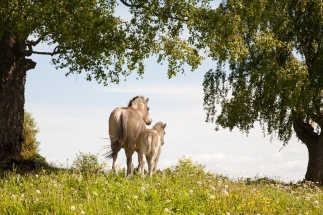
(13, 67)
(314, 143)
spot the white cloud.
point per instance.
(277, 155)
(162, 90)
(295, 165)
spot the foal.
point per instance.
(149, 144)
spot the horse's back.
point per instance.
(147, 141)
(133, 122)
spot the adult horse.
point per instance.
(125, 125)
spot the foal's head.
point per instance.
(160, 128)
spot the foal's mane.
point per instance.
(158, 126)
(135, 101)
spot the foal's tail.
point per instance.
(118, 141)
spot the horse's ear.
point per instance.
(164, 126)
(147, 100)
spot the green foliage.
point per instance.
(182, 189)
(30, 145)
(270, 56)
(88, 163)
(87, 36)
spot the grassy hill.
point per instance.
(182, 189)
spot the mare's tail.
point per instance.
(118, 141)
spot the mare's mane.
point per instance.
(134, 102)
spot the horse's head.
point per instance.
(160, 128)
(141, 104)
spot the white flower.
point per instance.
(22, 195)
(167, 210)
(199, 182)
(226, 186)
(95, 193)
(135, 197)
(212, 197)
(143, 188)
(212, 188)
(168, 201)
(191, 191)
(225, 192)
(227, 213)
(38, 191)
(36, 176)
(82, 212)
(316, 202)
(72, 208)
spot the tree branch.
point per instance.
(131, 5)
(55, 51)
(185, 19)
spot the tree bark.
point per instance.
(13, 68)
(314, 143)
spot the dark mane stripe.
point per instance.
(133, 99)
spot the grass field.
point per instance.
(181, 189)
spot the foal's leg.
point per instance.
(150, 162)
(141, 158)
(156, 160)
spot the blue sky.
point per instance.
(72, 115)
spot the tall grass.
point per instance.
(182, 189)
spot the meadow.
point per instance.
(186, 188)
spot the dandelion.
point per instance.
(227, 213)
(135, 197)
(143, 189)
(225, 192)
(82, 212)
(72, 208)
(22, 195)
(167, 210)
(38, 191)
(226, 186)
(316, 202)
(199, 182)
(212, 197)
(191, 191)
(36, 176)
(212, 188)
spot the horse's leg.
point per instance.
(138, 161)
(150, 161)
(129, 154)
(156, 160)
(114, 158)
(141, 158)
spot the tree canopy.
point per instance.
(30, 145)
(269, 64)
(87, 36)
